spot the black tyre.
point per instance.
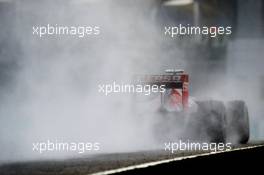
(237, 122)
(208, 124)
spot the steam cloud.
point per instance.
(54, 92)
(53, 89)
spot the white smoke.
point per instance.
(55, 92)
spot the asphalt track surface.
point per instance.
(143, 162)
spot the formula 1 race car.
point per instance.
(180, 116)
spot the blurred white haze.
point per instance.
(55, 92)
(54, 95)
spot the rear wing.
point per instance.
(178, 80)
(169, 81)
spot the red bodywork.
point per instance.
(179, 92)
(177, 85)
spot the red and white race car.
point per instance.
(180, 116)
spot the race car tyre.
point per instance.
(211, 119)
(237, 122)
